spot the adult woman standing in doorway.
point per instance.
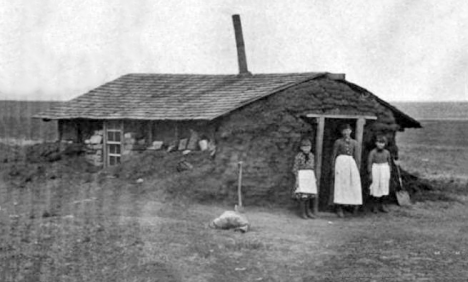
(347, 181)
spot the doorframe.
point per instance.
(320, 120)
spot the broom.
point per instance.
(402, 195)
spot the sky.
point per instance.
(408, 50)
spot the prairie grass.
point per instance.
(439, 150)
(435, 162)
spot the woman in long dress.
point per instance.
(347, 181)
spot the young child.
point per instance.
(347, 184)
(378, 167)
(305, 188)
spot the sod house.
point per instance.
(256, 119)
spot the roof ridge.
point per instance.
(218, 74)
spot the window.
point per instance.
(114, 149)
(113, 160)
(114, 138)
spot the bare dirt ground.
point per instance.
(90, 229)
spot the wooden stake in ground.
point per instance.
(239, 208)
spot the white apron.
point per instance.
(380, 180)
(307, 183)
(347, 182)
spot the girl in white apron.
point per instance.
(378, 167)
(305, 188)
(347, 181)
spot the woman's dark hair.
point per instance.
(306, 142)
(345, 126)
(381, 139)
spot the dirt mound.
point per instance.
(11, 153)
(414, 184)
(19, 174)
(411, 183)
(160, 164)
(192, 176)
(51, 152)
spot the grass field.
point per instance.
(434, 110)
(438, 150)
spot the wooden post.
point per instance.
(79, 133)
(318, 157)
(60, 129)
(29, 124)
(359, 134)
(150, 132)
(122, 132)
(104, 144)
(239, 185)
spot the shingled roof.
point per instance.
(173, 96)
(177, 96)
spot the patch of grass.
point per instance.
(252, 245)
(434, 196)
(69, 249)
